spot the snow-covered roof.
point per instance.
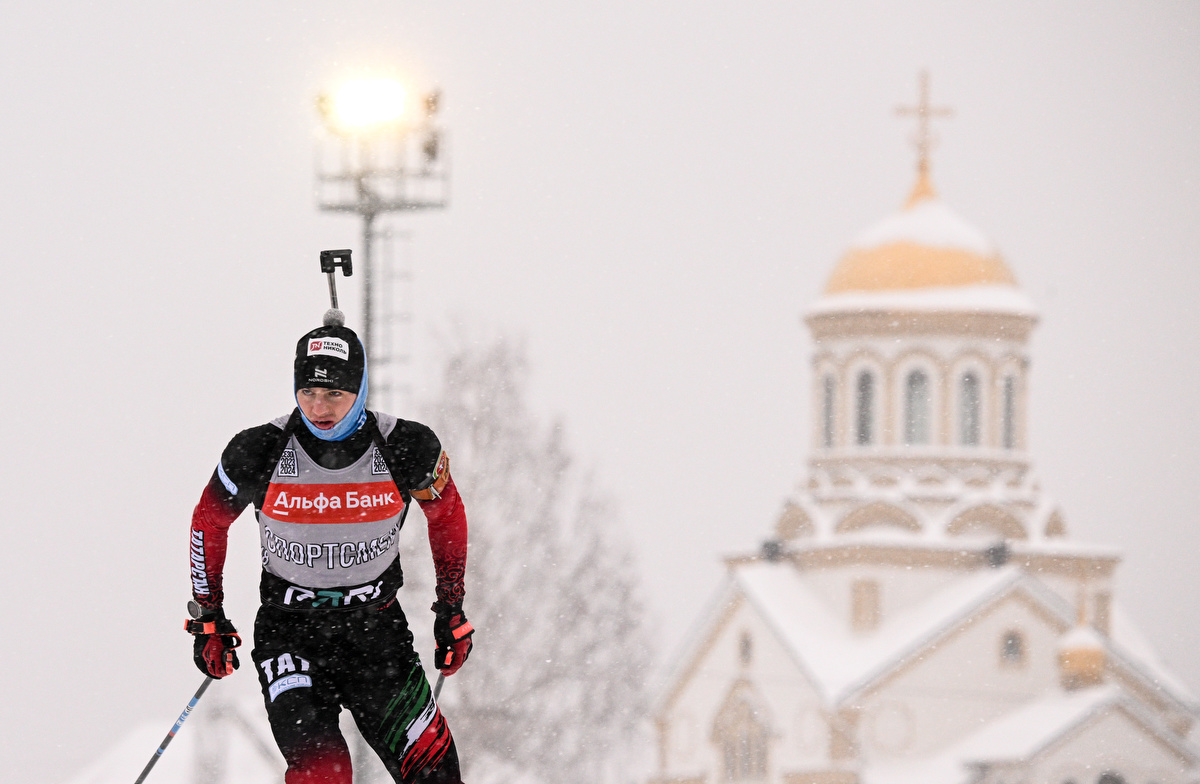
(1129, 645)
(989, 298)
(837, 661)
(928, 222)
(1023, 733)
(1019, 736)
(1069, 548)
(840, 662)
(924, 246)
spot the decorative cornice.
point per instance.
(944, 555)
(1008, 326)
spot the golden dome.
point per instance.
(925, 245)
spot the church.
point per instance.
(920, 613)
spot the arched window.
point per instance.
(916, 408)
(865, 609)
(1008, 425)
(968, 409)
(742, 738)
(864, 408)
(745, 648)
(1012, 649)
(828, 400)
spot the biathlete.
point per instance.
(331, 484)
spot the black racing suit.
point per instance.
(323, 641)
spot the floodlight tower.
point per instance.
(381, 151)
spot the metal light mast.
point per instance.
(378, 154)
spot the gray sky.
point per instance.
(650, 193)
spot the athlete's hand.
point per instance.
(452, 633)
(214, 644)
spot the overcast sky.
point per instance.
(648, 193)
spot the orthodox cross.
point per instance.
(924, 113)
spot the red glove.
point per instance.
(452, 633)
(215, 643)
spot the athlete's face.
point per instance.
(325, 407)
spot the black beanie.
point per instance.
(330, 357)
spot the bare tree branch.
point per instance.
(556, 682)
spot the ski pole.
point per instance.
(438, 688)
(179, 723)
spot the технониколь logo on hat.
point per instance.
(329, 347)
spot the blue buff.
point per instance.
(350, 423)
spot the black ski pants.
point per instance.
(311, 664)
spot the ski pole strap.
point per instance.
(214, 624)
(178, 723)
(193, 626)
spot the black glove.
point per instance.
(213, 648)
(452, 633)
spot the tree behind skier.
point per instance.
(331, 484)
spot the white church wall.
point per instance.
(899, 586)
(960, 684)
(685, 746)
(799, 732)
(1111, 743)
(799, 725)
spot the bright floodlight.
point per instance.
(367, 104)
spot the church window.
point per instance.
(827, 408)
(1012, 649)
(742, 739)
(1008, 425)
(969, 419)
(864, 405)
(916, 408)
(745, 648)
(864, 599)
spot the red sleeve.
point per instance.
(210, 533)
(448, 541)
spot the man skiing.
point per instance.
(331, 484)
